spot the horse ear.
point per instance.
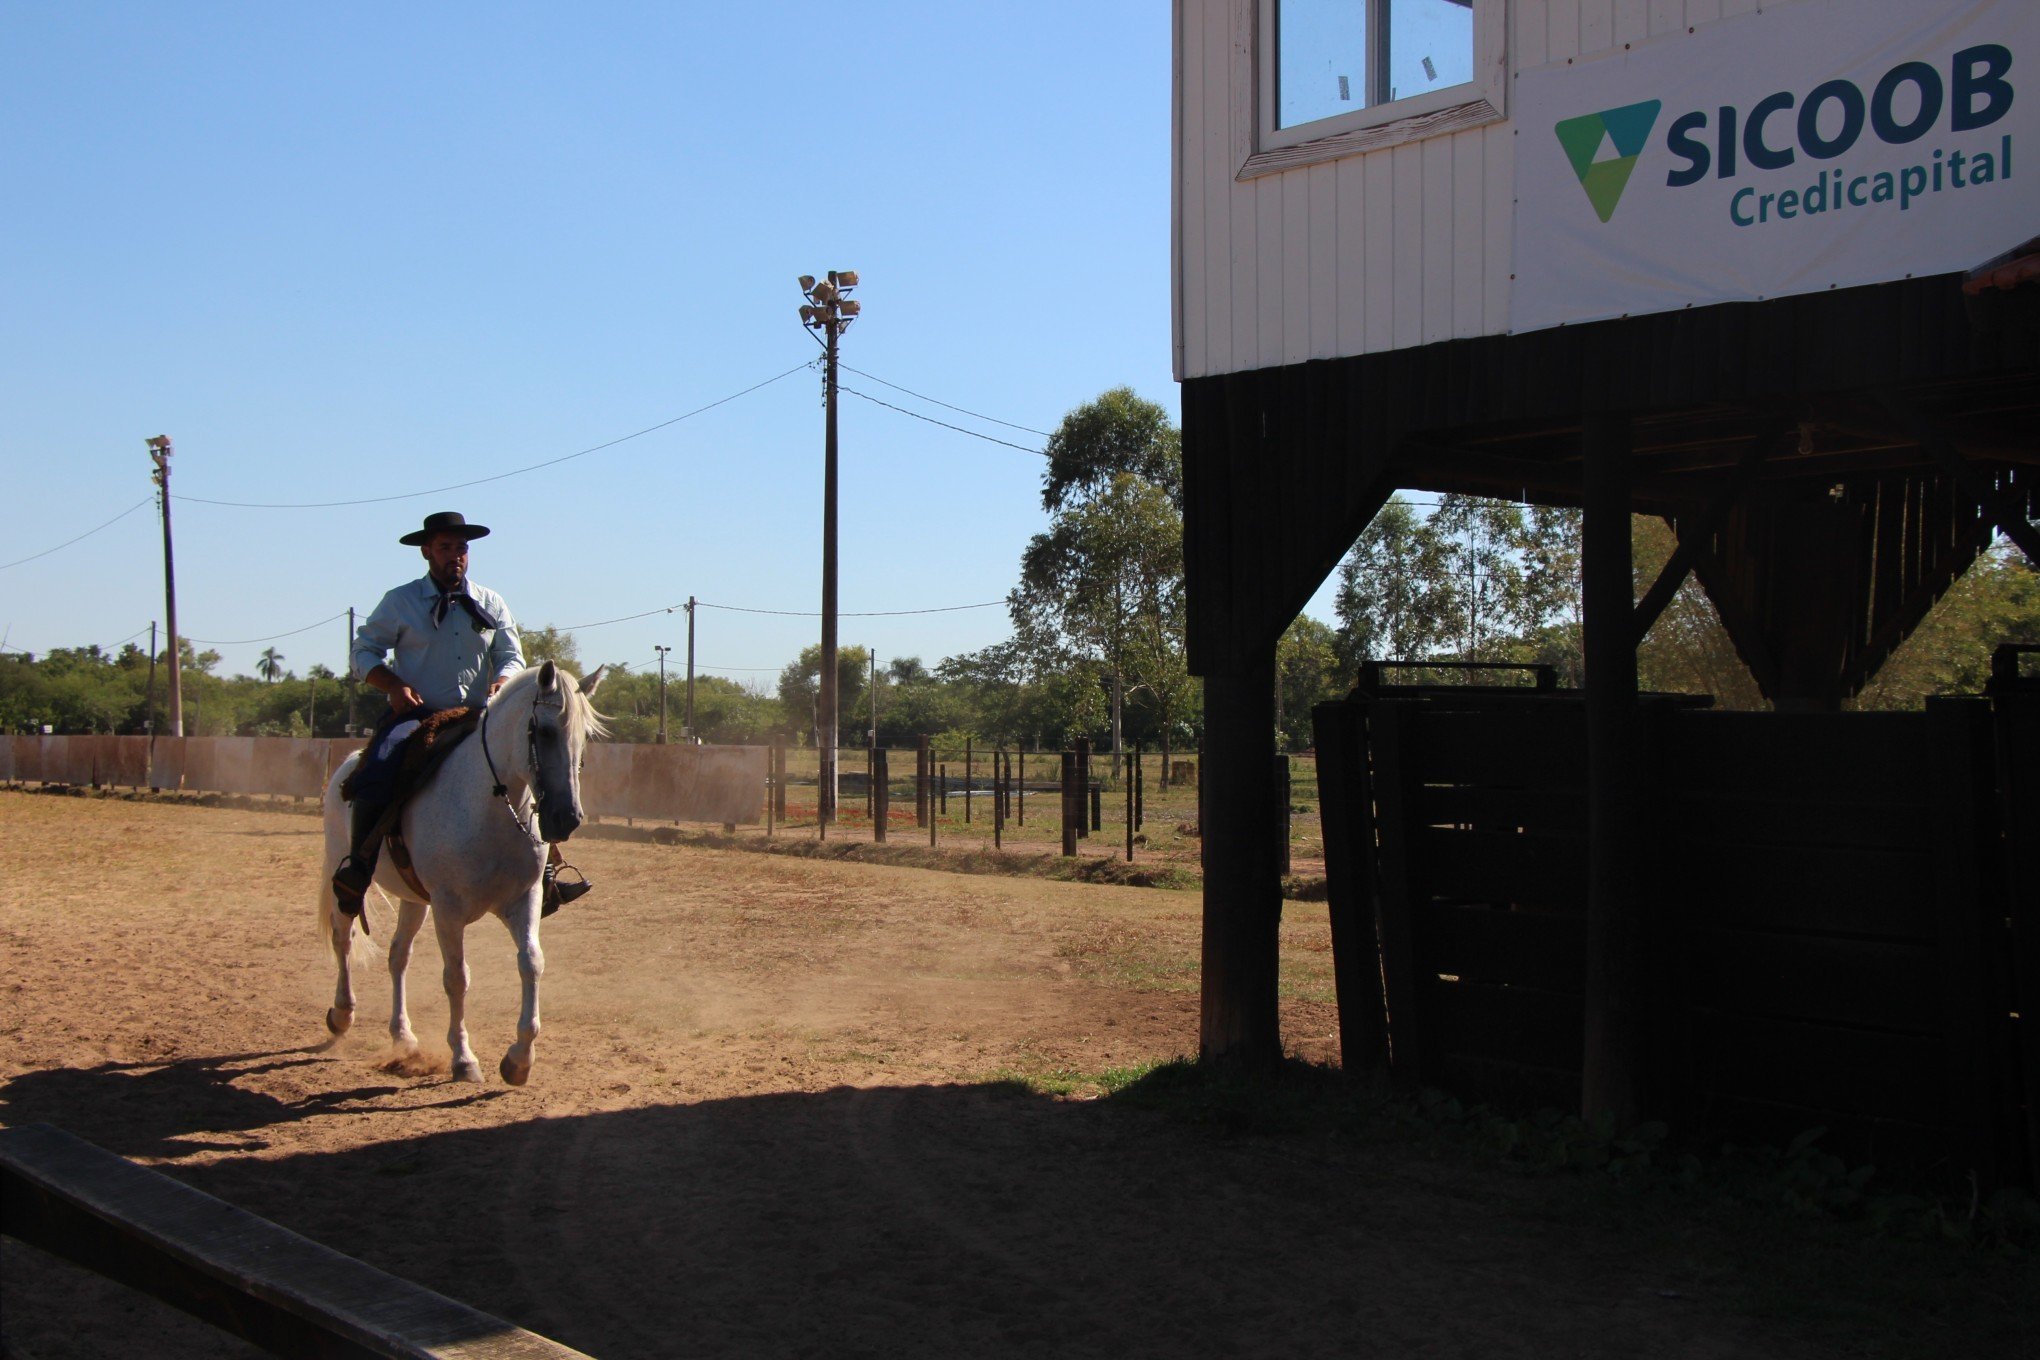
(548, 678)
(591, 681)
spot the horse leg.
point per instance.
(521, 917)
(452, 943)
(340, 932)
(410, 916)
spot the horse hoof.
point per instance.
(468, 1071)
(338, 1021)
(515, 1073)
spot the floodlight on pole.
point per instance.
(829, 313)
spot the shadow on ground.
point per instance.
(936, 1221)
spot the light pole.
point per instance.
(662, 690)
(159, 454)
(829, 311)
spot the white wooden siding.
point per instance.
(1406, 245)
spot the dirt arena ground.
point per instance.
(774, 1114)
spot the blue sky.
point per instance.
(362, 250)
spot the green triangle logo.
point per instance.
(1627, 129)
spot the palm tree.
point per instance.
(270, 664)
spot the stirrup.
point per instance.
(558, 894)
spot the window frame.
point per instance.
(1473, 103)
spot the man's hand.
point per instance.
(497, 684)
(402, 697)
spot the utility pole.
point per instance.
(347, 676)
(662, 691)
(159, 453)
(150, 710)
(874, 698)
(829, 311)
(687, 728)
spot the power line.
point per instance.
(965, 410)
(500, 476)
(943, 423)
(87, 534)
(850, 614)
(243, 642)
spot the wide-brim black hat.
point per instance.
(447, 522)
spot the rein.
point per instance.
(501, 789)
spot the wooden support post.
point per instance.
(1097, 796)
(969, 766)
(942, 789)
(998, 799)
(1069, 798)
(1612, 1054)
(1239, 1023)
(1020, 804)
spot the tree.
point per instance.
(1105, 583)
(550, 644)
(1396, 596)
(269, 665)
(1687, 651)
(801, 682)
(1997, 600)
(1307, 672)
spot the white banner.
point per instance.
(1812, 145)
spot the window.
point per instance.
(1341, 76)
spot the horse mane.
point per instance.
(583, 722)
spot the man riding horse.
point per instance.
(456, 645)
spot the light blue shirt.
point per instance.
(451, 663)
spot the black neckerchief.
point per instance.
(459, 595)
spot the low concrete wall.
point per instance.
(654, 783)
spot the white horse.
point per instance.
(476, 850)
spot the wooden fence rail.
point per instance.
(282, 1292)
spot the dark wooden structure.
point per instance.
(1830, 924)
(1830, 464)
(245, 1275)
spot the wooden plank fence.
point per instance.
(1840, 915)
(681, 783)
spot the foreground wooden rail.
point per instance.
(285, 1293)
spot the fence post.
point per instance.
(1097, 792)
(1021, 806)
(881, 794)
(998, 799)
(779, 781)
(1139, 790)
(771, 784)
(1083, 782)
(921, 769)
(968, 762)
(1070, 813)
(1131, 780)
(942, 790)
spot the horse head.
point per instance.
(562, 719)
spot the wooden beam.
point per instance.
(1681, 563)
(1611, 1082)
(1239, 1023)
(285, 1293)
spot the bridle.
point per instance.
(555, 700)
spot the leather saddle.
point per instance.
(418, 759)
